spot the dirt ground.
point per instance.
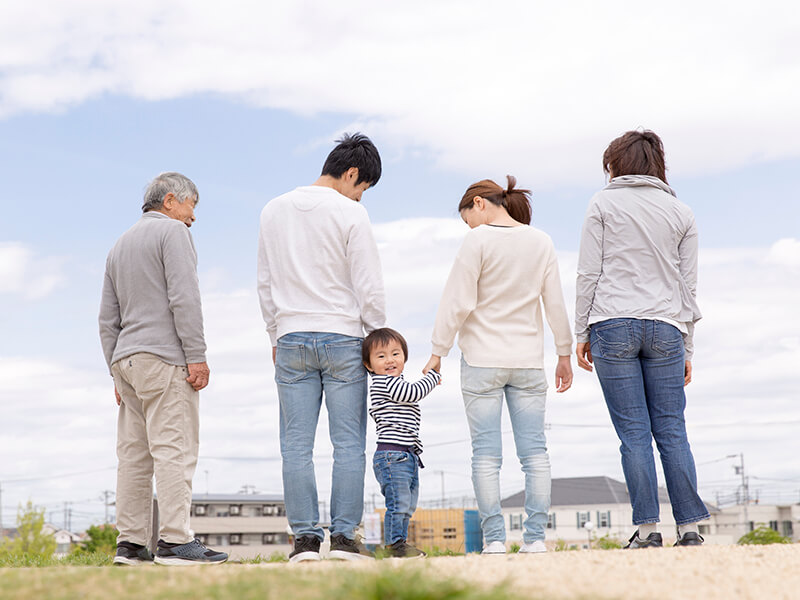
(710, 572)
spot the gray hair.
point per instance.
(179, 185)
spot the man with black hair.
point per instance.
(320, 289)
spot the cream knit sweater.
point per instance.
(494, 295)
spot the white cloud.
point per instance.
(24, 273)
(58, 418)
(510, 86)
(785, 252)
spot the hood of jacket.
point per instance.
(626, 181)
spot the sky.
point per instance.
(97, 98)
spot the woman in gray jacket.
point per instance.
(635, 315)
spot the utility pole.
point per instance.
(106, 494)
(745, 491)
(441, 474)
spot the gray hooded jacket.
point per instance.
(638, 258)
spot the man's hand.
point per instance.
(584, 352)
(117, 396)
(198, 375)
(687, 373)
(434, 363)
(563, 374)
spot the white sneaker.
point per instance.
(494, 548)
(533, 547)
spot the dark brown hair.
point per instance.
(382, 337)
(516, 202)
(636, 153)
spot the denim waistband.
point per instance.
(383, 446)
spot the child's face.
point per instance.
(387, 360)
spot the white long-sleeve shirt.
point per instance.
(638, 258)
(318, 265)
(494, 295)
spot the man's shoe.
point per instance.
(401, 549)
(191, 553)
(690, 538)
(306, 547)
(534, 547)
(651, 541)
(132, 555)
(343, 548)
(494, 548)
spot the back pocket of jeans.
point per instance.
(344, 361)
(667, 339)
(290, 363)
(611, 340)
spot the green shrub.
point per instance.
(763, 536)
(607, 542)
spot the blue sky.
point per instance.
(97, 99)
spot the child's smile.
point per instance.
(387, 360)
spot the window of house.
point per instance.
(268, 510)
(788, 530)
(582, 519)
(200, 510)
(773, 525)
(236, 538)
(551, 521)
(235, 510)
(603, 518)
(450, 533)
(515, 521)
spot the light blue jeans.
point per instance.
(308, 364)
(525, 392)
(640, 364)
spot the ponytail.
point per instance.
(517, 202)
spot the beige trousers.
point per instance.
(157, 434)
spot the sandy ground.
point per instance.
(711, 572)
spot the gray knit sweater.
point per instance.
(151, 295)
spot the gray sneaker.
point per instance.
(192, 553)
(343, 548)
(132, 555)
(402, 549)
(651, 541)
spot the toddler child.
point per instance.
(394, 404)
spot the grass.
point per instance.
(229, 581)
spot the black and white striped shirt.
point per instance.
(394, 404)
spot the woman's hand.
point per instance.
(584, 352)
(435, 363)
(563, 374)
(687, 373)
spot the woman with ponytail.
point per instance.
(503, 274)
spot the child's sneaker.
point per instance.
(401, 549)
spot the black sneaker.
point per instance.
(132, 555)
(690, 538)
(343, 548)
(306, 547)
(401, 549)
(651, 541)
(191, 553)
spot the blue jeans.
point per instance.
(640, 364)
(525, 391)
(307, 364)
(398, 474)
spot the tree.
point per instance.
(102, 538)
(763, 536)
(31, 540)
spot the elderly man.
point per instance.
(321, 288)
(151, 329)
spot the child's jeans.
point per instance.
(398, 474)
